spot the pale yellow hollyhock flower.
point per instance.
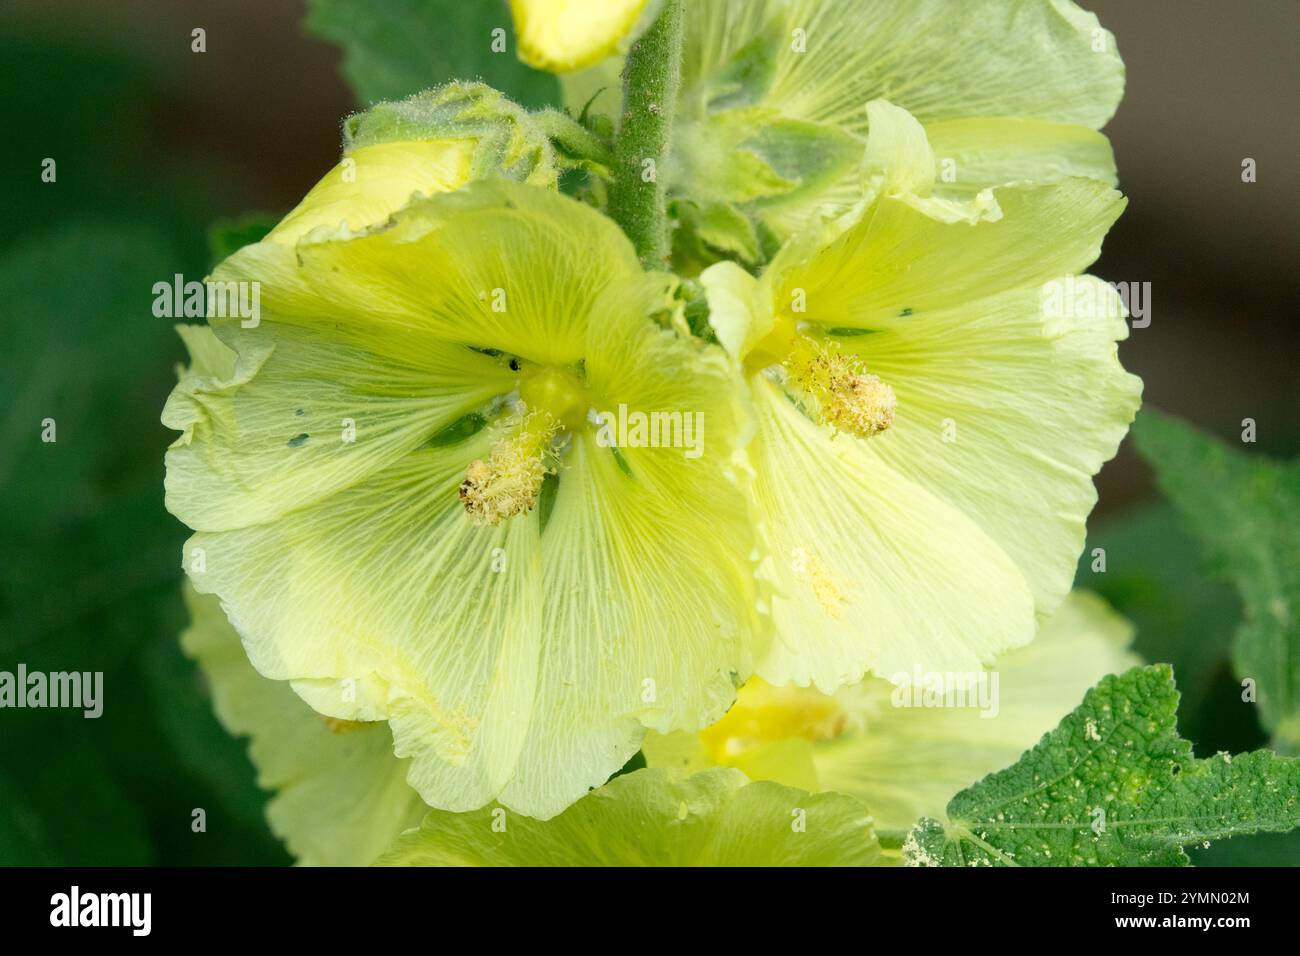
(905, 762)
(327, 453)
(401, 497)
(770, 119)
(340, 796)
(933, 387)
(566, 35)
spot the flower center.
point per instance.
(558, 391)
(509, 481)
(846, 397)
(837, 385)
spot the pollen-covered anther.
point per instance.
(846, 396)
(509, 482)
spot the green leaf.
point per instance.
(1245, 509)
(1113, 785)
(400, 47)
(703, 234)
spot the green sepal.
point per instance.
(510, 141)
(705, 233)
(577, 146)
(753, 155)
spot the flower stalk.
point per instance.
(651, 80)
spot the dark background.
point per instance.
(155, 143)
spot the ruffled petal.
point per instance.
(1040, 59)
(1007, 408)
(976, 153)
(893, 261)
(289, 417)
(384, 602)
(875, 573)
(496, 265)
(650, 608)
(773, 96)
(656, 818)
(341, 796)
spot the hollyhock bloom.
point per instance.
(770, 126)
(401, 496)
(933, 387)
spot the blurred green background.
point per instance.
(155, 143)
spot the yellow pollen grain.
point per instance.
(824, 586)
(825, 589)
(847, 398)
(508, 483)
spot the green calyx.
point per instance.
(510, 141)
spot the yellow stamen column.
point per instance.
(508, 483)
(846, 396)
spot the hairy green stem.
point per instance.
(651, 80)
